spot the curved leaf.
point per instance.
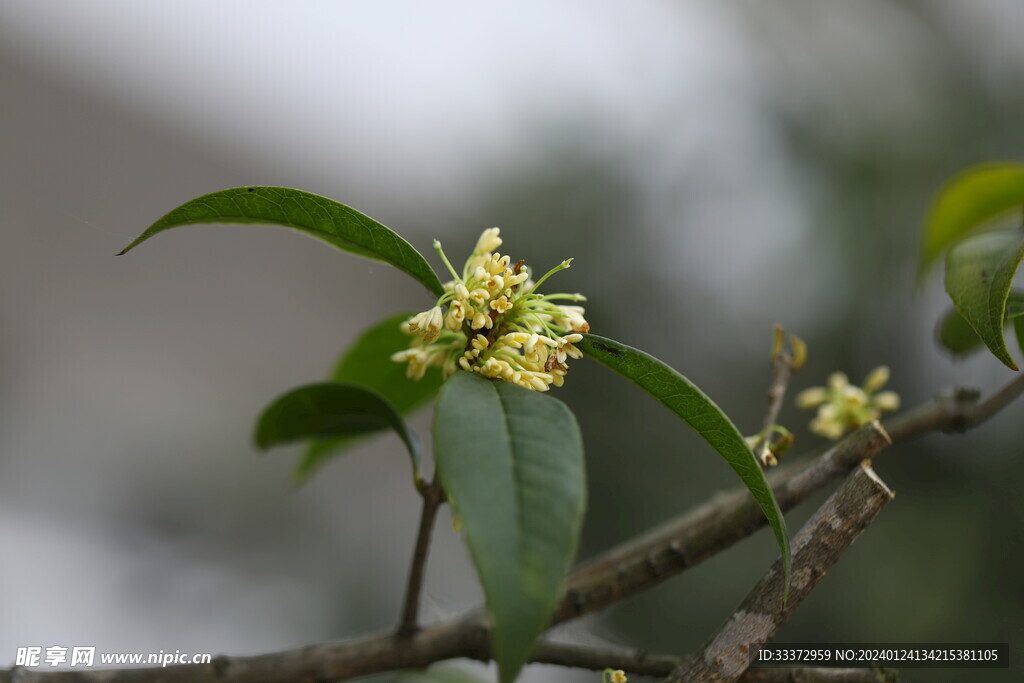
(511, 461)
(1018, 329)
(974, 197)
(368, 363)
(957, 336)
(979, 272)
(329, 409)
(683, 398)
(316, 216)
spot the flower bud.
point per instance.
(876, 379)
(811, 398)
(489, 241)
(887, 401)
(837, 381)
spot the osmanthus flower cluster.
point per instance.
(492, 320)
(843, 407)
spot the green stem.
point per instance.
(447, 264)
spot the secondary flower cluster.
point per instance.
(492, 321)
(843, 407)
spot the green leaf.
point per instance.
(331, 409)
(683, 398)
(368, 363)
(1018, 329)
(316, 216)
(979, 272)
(511, 461)
(957, 336)
(977, 196)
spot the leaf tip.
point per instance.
(999, 350)
(260, 440)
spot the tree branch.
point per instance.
(469, 635)
(641, 663)
(433, 496)
(827, 535)
(312, 664)
(685, 541)
(818, 675)
(653, 558)
(955, 411)
(636, 662)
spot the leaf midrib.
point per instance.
(520, 506)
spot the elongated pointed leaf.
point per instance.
(979, 272)
(683, 398)
(975, 197)
(1018, 330)
(330, 409)
(313, 215)
(511, 461)
(368, 363)
(957, 336)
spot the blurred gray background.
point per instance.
(714, 167)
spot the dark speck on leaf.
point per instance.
(252, 189)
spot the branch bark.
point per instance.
(636, 662)
(827, 535)
(816, 675)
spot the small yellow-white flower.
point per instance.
(843, 407)
(501, 304)
(427, 324)
(417, 362)
(456, 315)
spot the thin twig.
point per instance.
(784, 365)
(955, 411)
(433, 496)
(636, 662)
(827, 535)
(469, 636)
